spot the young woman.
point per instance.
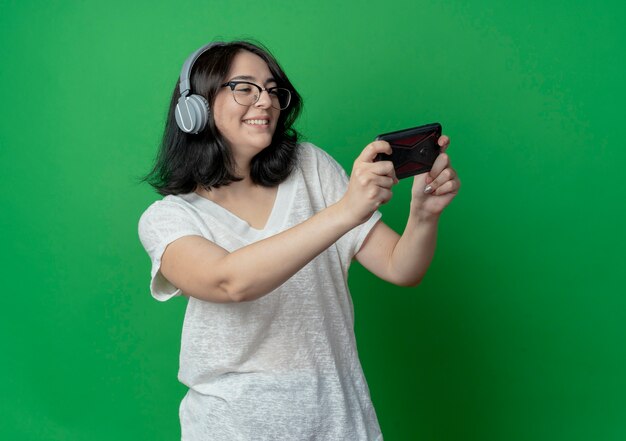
(258, 231)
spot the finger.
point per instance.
(448, 187)
(447, 175)
(384, 196)
(379, 173)
(378, 178)
(372, 149)
(444, 142)
(441, 162)
(382, 168)
(384, 181)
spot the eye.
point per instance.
(243, 88)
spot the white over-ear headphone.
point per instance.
(192, 111)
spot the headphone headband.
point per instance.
(185, 74)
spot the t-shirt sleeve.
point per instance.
(161, 224)
(334, 181)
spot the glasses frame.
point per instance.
(234, 83)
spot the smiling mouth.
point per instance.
(256, 122)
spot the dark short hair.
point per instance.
(185, 161)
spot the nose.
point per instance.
(264, 101)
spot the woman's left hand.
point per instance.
(434, 190)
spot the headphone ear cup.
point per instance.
(192, 113)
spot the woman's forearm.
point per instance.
(257, 269)
(415, 249)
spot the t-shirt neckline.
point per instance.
(276, 219)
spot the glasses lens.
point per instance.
(245, 94)
(280, 97)
(248, 94)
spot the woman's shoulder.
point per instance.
(309, 149)
(169, 202)
(312, 155)
(168, 206)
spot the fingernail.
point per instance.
(428, 189)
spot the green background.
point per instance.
(516, 333)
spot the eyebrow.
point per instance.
(249, 78)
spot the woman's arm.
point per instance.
(206, 271)
(404, 260)
(401, 260)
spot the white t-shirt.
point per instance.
(284, 366)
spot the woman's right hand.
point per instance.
(370, 183)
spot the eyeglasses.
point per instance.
(247, 94)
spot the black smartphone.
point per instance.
(413, 150)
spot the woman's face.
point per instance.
(247, 129)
